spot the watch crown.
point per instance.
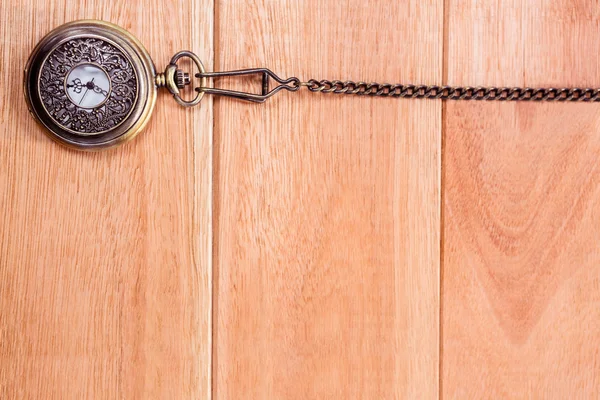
(181, 79)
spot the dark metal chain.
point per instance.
(294, 84)
(453, 92)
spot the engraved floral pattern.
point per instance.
(123, 79)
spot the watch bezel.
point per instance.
(137, 55)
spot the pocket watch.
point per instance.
(92, 85)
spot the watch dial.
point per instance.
(88, 85)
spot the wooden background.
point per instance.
(521, 265)
(105, 278)
(317, 246)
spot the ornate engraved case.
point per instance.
(91, 84)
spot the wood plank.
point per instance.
(327, 207)
(521, 263)
(105, 258)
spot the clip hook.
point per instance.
(174, 79)
(290, 84)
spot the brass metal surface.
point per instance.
(143, 66)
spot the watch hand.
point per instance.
(98, 89)
(76, 85)
(86, 92)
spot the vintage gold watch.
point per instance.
(92, 85)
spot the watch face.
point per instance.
(88, 85)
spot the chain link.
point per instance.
(452, 92)
(293, 84)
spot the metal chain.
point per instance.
(411, 91)
(452, 92)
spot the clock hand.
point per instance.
(98, 89)
(86, 92)
(76, 85)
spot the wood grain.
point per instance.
(327, 207)
(521, 263)
(105, 258)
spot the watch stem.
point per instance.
(173, 79)
(182, 79)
